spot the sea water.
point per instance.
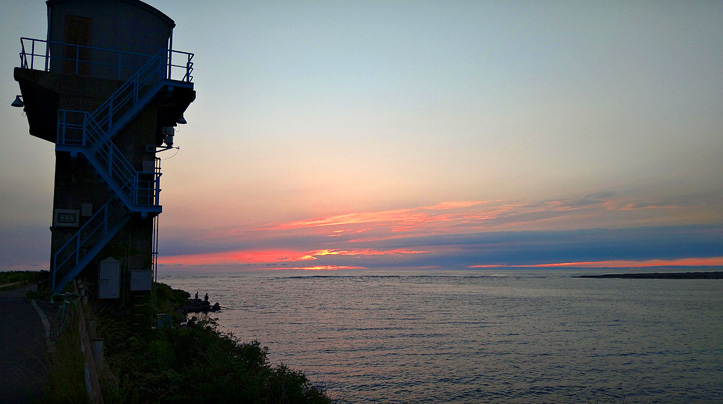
(473, 337)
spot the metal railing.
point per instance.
(94, 132)
(78, 128)
(38, 54)
(103, 224)
(127, 95)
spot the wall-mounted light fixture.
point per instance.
(18, 102)
(167, 132)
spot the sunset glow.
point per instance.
(460, 234)
(357, 253)
(503, 136)
(235, 257)
(319, 268)
(361, 201)
(268, 257)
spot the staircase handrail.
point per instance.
(129, 91)
(72, 248)
(118, 109)
(112, 163)
(117, 165)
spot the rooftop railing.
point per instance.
(37, 54)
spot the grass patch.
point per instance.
(17, 279)
(66, 383)
(181, 362)
(193, 363)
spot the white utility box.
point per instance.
(141, 281)
(109, 279)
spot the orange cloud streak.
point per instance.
(684, 262)
(451, 217)
(469, 216)
(230, 257)
(318, 268)
(274, 256)
(428, 219)
(347, 219)
(365, 251)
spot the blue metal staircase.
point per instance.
(138, 190)
(87, 242)
(91, 135)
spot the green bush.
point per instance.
(197, 363)
(18, 278)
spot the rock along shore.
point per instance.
(197, 306)
(658, 275)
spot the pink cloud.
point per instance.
(398, 220)
(460, 217)
(694, 262)
(276, 256)
(231, 257)
(359, 235)
(342, 232)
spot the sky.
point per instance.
(419, 134)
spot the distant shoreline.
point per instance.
(658, 275)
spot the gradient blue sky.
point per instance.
(425, 134)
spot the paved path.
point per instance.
(23, 349)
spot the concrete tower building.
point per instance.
(106, 87)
